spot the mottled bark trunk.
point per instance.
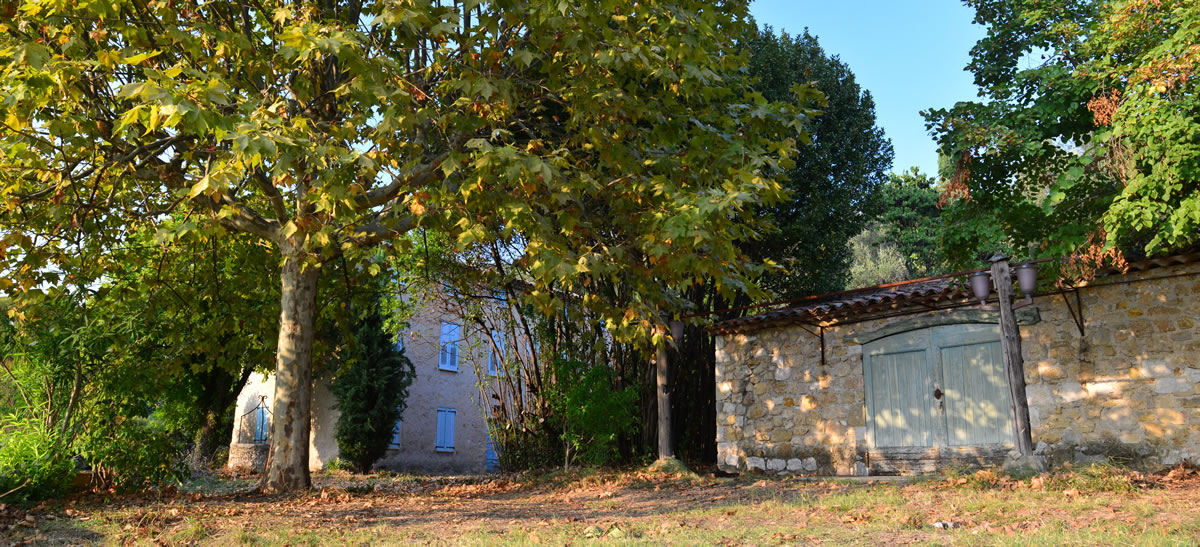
(218, 392)
(664, 403)
(287, 467)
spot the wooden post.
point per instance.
(1010, 344)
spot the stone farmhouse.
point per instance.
(907, 378)
(443, 427)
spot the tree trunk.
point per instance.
(205, 443)
(664, 403)
(1014, 363)
(218, 393)
(287, 467)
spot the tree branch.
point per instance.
(273, 194)
(415, 177)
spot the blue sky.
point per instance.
(910, 54)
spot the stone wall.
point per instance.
(247, 457)
(1127, 388)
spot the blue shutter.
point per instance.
(445, 430)
(496, 357)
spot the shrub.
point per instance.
(33, 463)
(593, 414)
(370, 389)
(133, 454)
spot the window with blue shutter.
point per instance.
(395, 443)
(496, 357)
(445, 430)
(448, 356)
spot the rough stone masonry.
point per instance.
(1128, 388)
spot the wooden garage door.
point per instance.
(937, 387)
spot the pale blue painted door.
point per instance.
(938, 387)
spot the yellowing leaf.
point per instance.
(137, 59)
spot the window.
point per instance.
(262, 424)
(491, 458)
(445, 430)
(496, 357)
(448, 356)
(395, 443)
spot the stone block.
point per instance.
(781, 435)
(783, 373)
(1119, 418)
(795, 464)
(1070, 392)
(1189, 402)
(808, 402)
(776, 464)
(754, 463)
(810, 464)
(1133, 437)
(1154, 369)
(1169, 416)
(1039, 395)
(857, 418)
(1050, 372)
(1174, 384)
(1107, 389)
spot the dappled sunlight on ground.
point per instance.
(1081, 504)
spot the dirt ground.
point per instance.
(1097, 505)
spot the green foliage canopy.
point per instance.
(617, 143)
(833, 176)
(907, 212)
(1088, 138)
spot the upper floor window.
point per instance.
(496, 356)
(448, 356)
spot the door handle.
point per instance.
(937, 393)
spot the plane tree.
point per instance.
(620, 143)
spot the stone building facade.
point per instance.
(442, 428)
(1112, 371)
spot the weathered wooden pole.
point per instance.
(1010, 345)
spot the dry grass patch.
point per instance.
(1078, 506)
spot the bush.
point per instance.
(33, 463)
(132, 454)
(370, 390)
(593, 414)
